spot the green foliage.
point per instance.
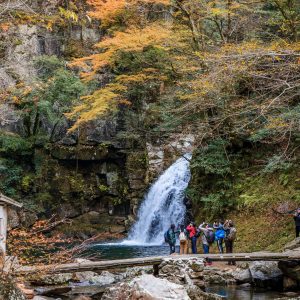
(14, 145)
(103, 188)
(136, 61)
(215, 203)
(10, 177)
(43, 105)
(277, 163)
(47, 66)
(213, 159)
(27, 183)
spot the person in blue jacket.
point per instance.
(219, 234)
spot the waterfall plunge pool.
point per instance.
(111, 251)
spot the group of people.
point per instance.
(220, 232)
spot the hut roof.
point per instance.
(9, 201)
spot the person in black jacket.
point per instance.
(297, 221)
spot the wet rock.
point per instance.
(245, 286)
(291, 269)
(147, 287)
(291, 294)
(242, 275)
(197, 294)
(266, 274)
(264, 270)
(289, 283)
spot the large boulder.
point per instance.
(266, 274)
(291, 269)
(175, 269)
(147, 287)
(242, 275)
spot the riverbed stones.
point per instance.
(177, 269)
(147, 287)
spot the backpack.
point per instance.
(232, 234)
(166, 236)
(182, 236)
(210, 237)
(220, 234)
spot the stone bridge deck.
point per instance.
(155, 261)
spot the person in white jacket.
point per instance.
(207, 236)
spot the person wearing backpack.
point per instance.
(170, 238)
(230, 236)
(183, 239)
(192, 230)
(219, 235)
(208, 236)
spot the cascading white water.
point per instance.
(162, 206)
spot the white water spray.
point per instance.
(162, 206)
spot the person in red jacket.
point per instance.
(192, 230)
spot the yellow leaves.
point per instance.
(141, 77)
(216, 11)
(109, 10)
(276, 123)
(68, 14)
(106, 11)
(95, 105)
(133, 39)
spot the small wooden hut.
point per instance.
(4, 203)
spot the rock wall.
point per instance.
(96, 175)
(91, 175)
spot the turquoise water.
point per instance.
(119, 251)
(237, 293)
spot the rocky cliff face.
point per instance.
(96, 175)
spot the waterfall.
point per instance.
(162, 206)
